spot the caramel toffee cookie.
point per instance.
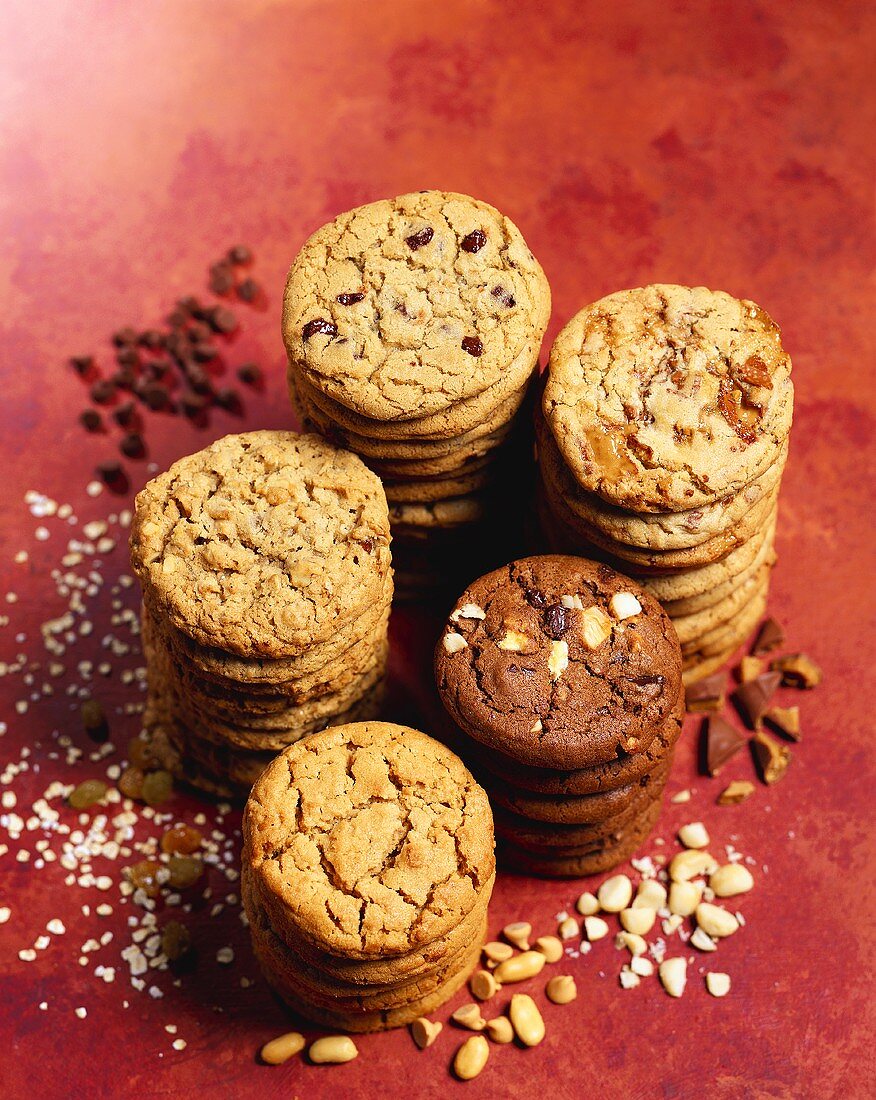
(558, 662)
(403, 307)
(668, 398)
(263, 543)
(368, 840)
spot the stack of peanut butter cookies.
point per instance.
(662, 438)
(267, 584)
(368, 865)
(565, 680)
(413, 328)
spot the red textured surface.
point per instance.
(725, 143)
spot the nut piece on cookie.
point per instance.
(624, 605)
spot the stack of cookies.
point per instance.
(662, 437)
(565, 680)
(413, 328)
(368, 865)
(267, 584)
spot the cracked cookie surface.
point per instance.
(369, 839)
(263, 544)
(403, 307)
(668, 398)
(537, 662)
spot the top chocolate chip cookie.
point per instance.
(668, 398)
(262, 544)
(403, 307)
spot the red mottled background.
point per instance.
(728, 143)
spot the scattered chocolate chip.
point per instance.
(240, 254)
(132, 445)
(127, 416)
(221, 319)
(753, 697)
(420, 238)
(198, 378)
(706, 694)
(199, 333)
(769, 637)
(127, 357)
(82, 364)
(229, 400)
(124, 337)
(189, 305)
(474, 241)
(504, 296)
(103, 391)
(473, 345)
(250, 374)
(555, 621)
(124, 379)
(321, 326)
(111, 472)
(177, 318)
(771, 757)
(151, 339)
(798, 671)
(193, 403)
(154, 396)
(248, 290)
(91, 420)
(723, 741)
(786, 720)
(204, 353)
(351, 299)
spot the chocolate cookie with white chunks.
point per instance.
(558, 662)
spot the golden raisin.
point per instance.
(131, 783)
(181, 840)
(144, 876)
(175, 940)
(140, 754)
(157, 788)
(89, 792)
(184, 871)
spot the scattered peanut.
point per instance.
(694, 835)
(673, 975)
(684, 897)
(425, 1031)
(568, 929)
(640, 921)
(632, 942)
(526, 1019)
(615, 893)
(641, 966)
(551, 947)
(690, 863)
(500, 1030)
(561, 989)
(483, 985)
(521, 967)
(701, 941)
(496, 952)
(715, 921)
(469, 1016)
(588, 904)
(281, 1049)
(471, 1058)
(518, 933)
(730, 880)
(651, 894)
(595, 928)
(718, 984)
(332, 1050)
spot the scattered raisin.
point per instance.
(157, 788)
(181, 839)
(474, 241)
(351, 299)
(229, 400)
(88, 793)
(319, 325)
(141, 754)
(420, 238)
(144, 876)
(184, 871)
(473, 345)
(126, 415)
(176, 940)
(555, 621)
(94, 720)
(131, 783)
(221, 319)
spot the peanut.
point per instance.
(526, 1019)
(332, 1050)
(469, 1016)
(483, 985)
(568, 929)
(281, 1049)
(425, 1031)
(500, 1030)
(561, 989)
(471, 1058)
(518, 933)
(521, 967)
(551, 947)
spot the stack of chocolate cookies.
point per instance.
(267, 585)
(564, 679)
(662, 438)
(413, 328)
(367, 869)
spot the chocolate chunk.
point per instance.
(248, 290)
(736, 792)
(126, 415)
(351, 299)
(771, 757)
(132, 445)
(321, 326)
(250, 374)
(706, 694)
(124, 337)
(82, 364)
(91, 420)
(723, 741)
(417, 240)
(474, 241)
(240, 254)
(649, 686)
(753, 697)
(786, 720)
(555, 621)
(769, 637)
(103, 391)
(473, 345)
(504, 296)
(798, 671)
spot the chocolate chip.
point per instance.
(229, 400)
(367, 545)
(422, 237)
(91, 420)
(82, 364)
(706, 694)
(753, 697)
(769, 637)
(132, 446)
(127, 357)
(649, 686)
(473, 345)
(111, 472)
(248, 290)
(198, 378)
(192, 403)
(504, 296)
(155, 396)
(250, 374)
(474, 241)
(723, 741)
(124, 337)
(350, 299)
(221, 319)
(126, 415)
(103, 391)
(555, 621)
(240, 254)
(203, 353)
(189, 305)
(319, 325)
(151, 339)
(198, 332)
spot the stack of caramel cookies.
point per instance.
(267, 584)
(564, 679)
(413, 328)
(662, 438)
(368, 864)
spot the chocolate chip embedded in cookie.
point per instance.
(390, 311)
(263, 544)
(558, 662)
(668, 397)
